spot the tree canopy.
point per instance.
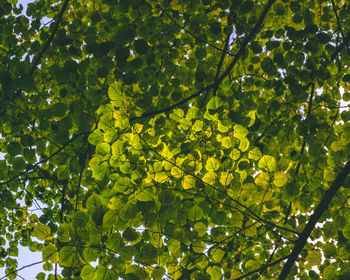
(176, 139)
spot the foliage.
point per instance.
(176, 139)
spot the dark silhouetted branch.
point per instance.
(216, 83)
(322, 206)
(50, 39)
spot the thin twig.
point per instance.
(261, 268)
(23, 267)
(236, 57)
(79, 183)
(337, 17)
(217, 74)
(261, 220)
(51, 37)
(44, 160)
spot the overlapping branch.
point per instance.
(217, 82)
(43, 160)
(51, 37)
(320, 209)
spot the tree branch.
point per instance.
(322, 206)
(23, 267)
(338, 20)
(261, 268)
(221, 61)
(183, 27)
(302, 148)
(43, 160)
(50, 39)
(216, 83)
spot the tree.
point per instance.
(176, 139)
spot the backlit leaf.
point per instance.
(189, 182)
(267, 163)
(41, 231)
(262, 179)
(280, 179)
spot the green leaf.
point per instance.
(173, 245)
(103, 149)
(41, 231)
(114, 242)
(59, 109)
(130, 234)
(219, 218)
(314, 258)
(214, 105)
(65, 233)
(63, 173)
(330, 271)
(80, 219)
(195, 213)
(109, 219)
(267, 163)
(214, 272)
(141, 46)
(217, 255)
(100, 172)
(148, 254)
(254, 154)
(240, 132)
(262, 179)
(280, 179)
(90, 254)
(50, 253)
(104, 273)
(157, 274)
(268, 66)
(68, 256)
(14, 148)
(292, 189)
(198, 246)
(87, 272)
(200, 228)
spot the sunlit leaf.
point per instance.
(262, 179)
(280, 179)
(189, 182)
(267, 163)
(41, 231)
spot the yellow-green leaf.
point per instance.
(50, 253)
(280, 179)
(314, 258)
(189, 182)
(198, 246)
(200, 228)
(209, 178)
(41, 231)
(267, 163)
(225, 178)
(262, 179)
(243, 144)
(217, 255)
(212, 164)
(328, 175)
(254, 154)
(240, 132)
